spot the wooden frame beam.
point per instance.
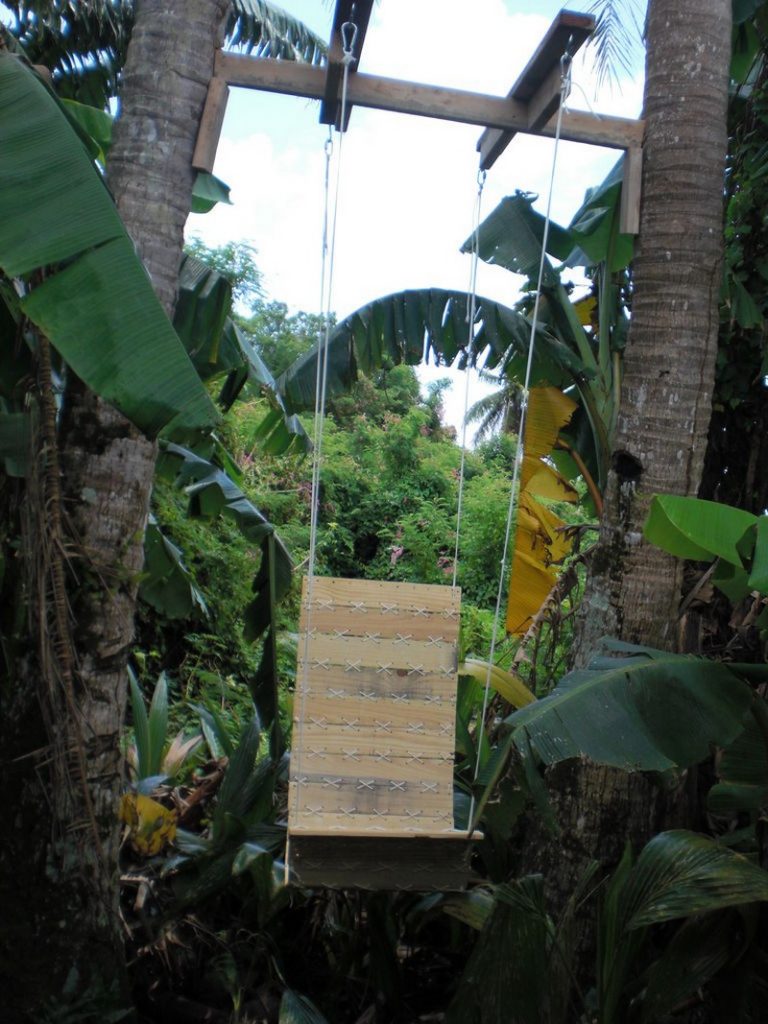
(530, 106)
(359, 12)
(374, 91)
(539, 84)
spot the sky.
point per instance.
(408, 184)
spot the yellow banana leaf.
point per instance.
(151, 827)
(507, 684)
(586, 310)
(545, 482)
(548, 412)
(540, 542)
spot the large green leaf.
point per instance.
(626, 711)
(701, 947)
(594, 227)
(99, 309)
(297, 1009)
(217, 346)
(681, 873)
(507, 977)
(166, 583)
(414, 326)
(15, 430)
(511, 236)
(212, 493)
(743, 771)
(697, 529)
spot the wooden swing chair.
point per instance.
(371, 779)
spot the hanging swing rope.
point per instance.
(471, 314)
(566, 62)
(348, 37)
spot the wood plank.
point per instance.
(367, 750)
(379, 652)
(543, 105)
(374, 91)
(398, 622)
(413, 863)
(539, 82)
(332, 796)
(331, 716)
(211, 123)
(381, 596)
(358, 11)
(398, 686)
(440, 833)
(631, 191)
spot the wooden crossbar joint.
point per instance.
(539, 83)
(211, 124)
(359, 12)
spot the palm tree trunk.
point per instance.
(64, 901)
(633, 590)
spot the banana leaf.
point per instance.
(212, 493)
(512, 235)
(15, 428)
(414, 326)
(743, 773)
(594, 227)
(697, 529)
(166, 583)
(626, 710)
(217, 347)
(85, 286)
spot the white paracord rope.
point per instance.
(471, 313)
(348, 36)
(565, 86)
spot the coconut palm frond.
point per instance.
(618, 36)
(497, 412)
(83, 44)
(266, 30)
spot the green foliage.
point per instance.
(85, 44)
(110, 340)
(236, 262)
(625, 710)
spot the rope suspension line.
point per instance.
(471, 314)
(566, 62)
(332, 193)
(330, 219)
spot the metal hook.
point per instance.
(348, 38)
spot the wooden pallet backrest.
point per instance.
(375, 708)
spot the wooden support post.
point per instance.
(539, 84)
(210, 125)
(358, 12)
(629, 214)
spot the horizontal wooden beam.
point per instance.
(294, 79)
(539, 82)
